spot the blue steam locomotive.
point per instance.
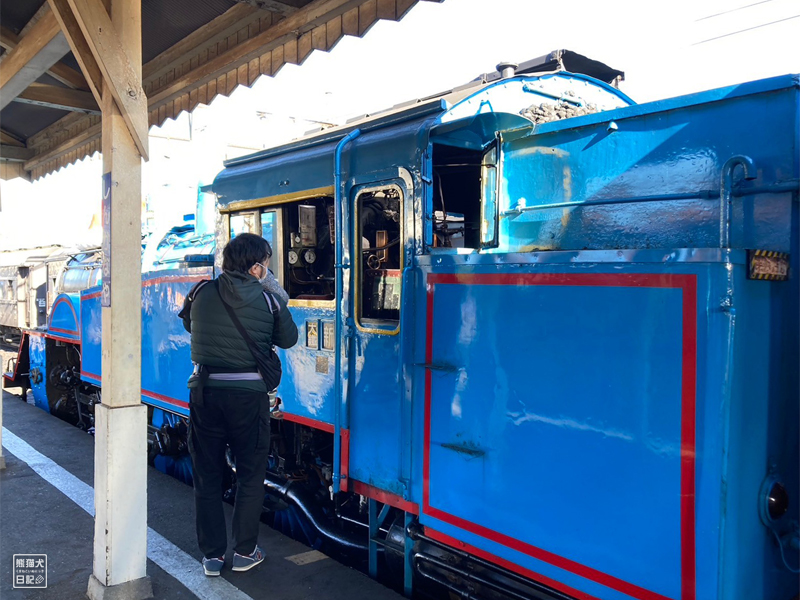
(549, 339)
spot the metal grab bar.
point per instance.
(725, 196)
(339, 266)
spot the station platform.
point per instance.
(45, 508)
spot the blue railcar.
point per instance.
(549, 339)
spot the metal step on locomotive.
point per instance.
(548, 338)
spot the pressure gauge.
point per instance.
(310, 256)
(292, 257)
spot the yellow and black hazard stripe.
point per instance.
(768, 265)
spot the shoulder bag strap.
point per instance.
(273, 305)
(186, 310)
(250, 344)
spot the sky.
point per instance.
(666, 49)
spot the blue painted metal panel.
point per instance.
(376, 412)
(64, 320)
(761, 410)
(166, 345)
(551, 180)
(559, 469)
(91, 336)
(373, 151)
(38, 370)
(166, 356)
(306, 388)
(378, 398)
(512, 425)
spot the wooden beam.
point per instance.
(43, 10)
(235, 18)
(91, 134)
(291, 27)
(80, 49)
(40, 49)
(68, 76)
(8, 39)
(59, 98)
(73, 122)
(281, 8)
(10, 139)
(123, 81)
(15, 153)
(12, 169)
(59, 71)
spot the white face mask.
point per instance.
(263, 278)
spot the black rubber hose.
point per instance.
(300, 498)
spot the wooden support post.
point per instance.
(122, 74)
(120, 538)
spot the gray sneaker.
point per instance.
(247, 562)
(213, 566)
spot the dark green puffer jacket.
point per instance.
(215, 340)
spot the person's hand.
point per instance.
(273, 287)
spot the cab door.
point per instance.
(375, 332)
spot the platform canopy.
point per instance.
(192, 50)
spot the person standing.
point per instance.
(229, 399)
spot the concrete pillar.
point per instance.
(120, 538)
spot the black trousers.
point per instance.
(239, 419)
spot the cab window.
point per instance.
(464, 197)
(379, 258)
(247, 222)
(301, 234)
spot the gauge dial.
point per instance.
(292, 257)
(310, 256)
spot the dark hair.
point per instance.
(243, 251)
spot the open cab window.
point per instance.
(379, 258)
(489, 198)
(464, 197)
(301, 234)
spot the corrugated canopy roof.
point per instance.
(192, 51)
